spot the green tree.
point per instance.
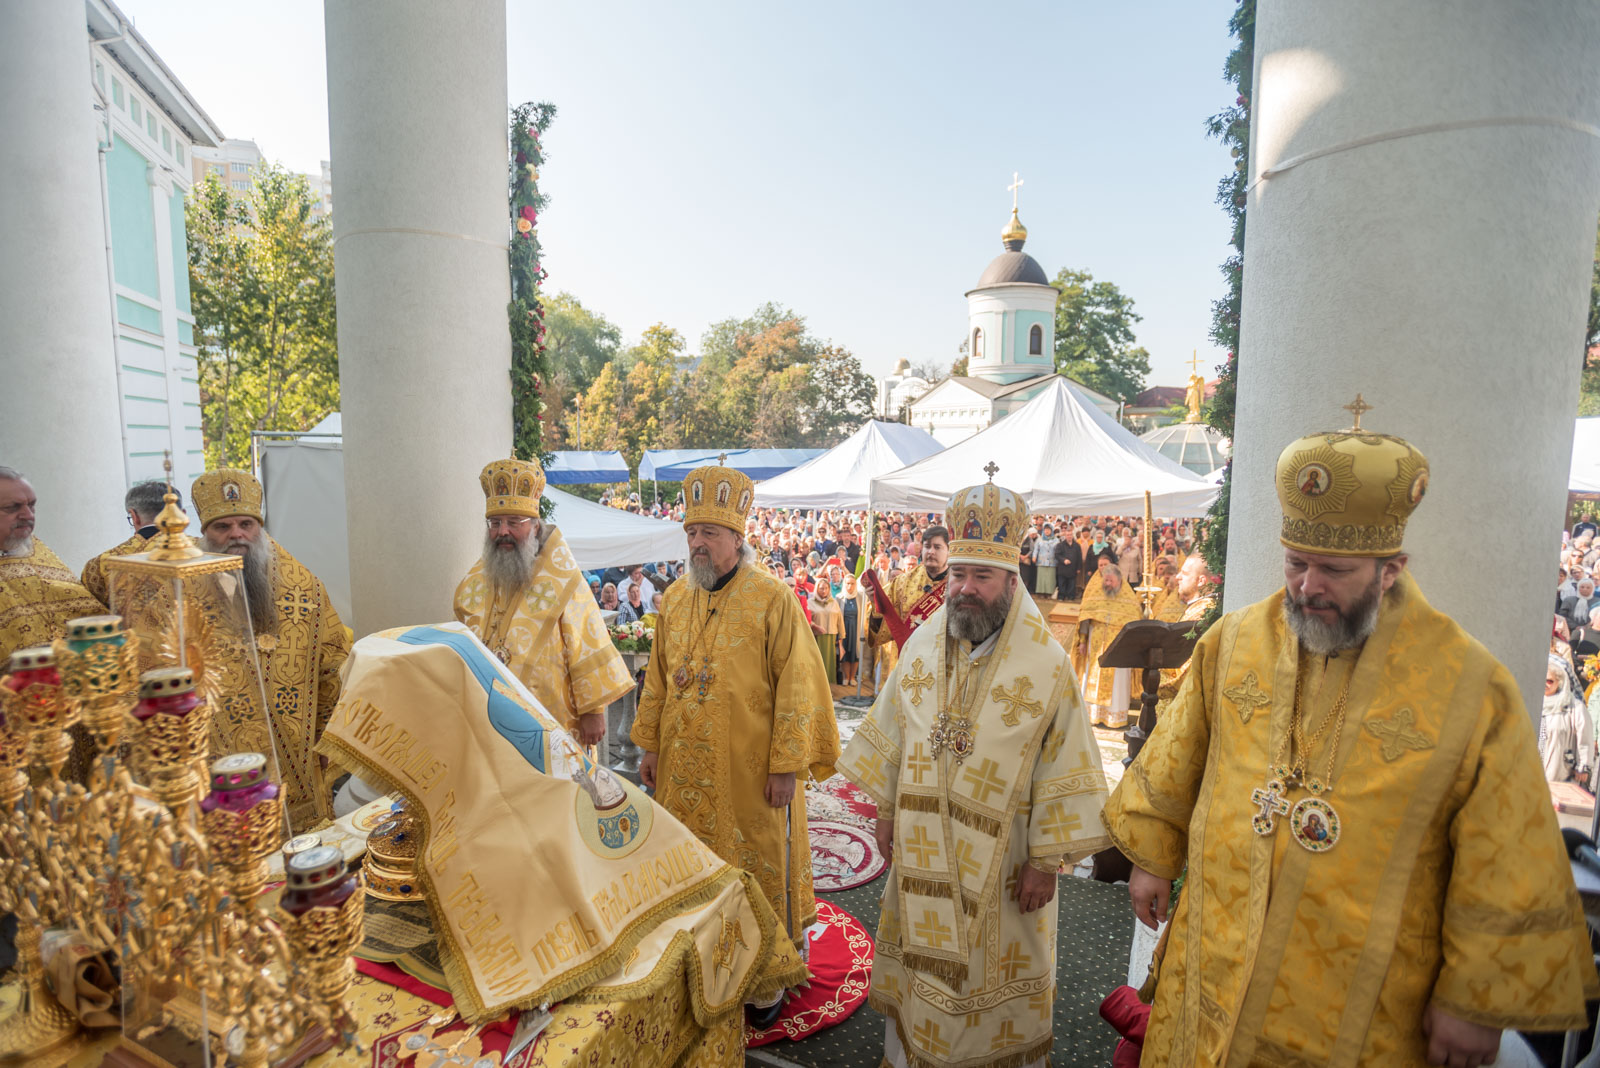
(844, 397)
(1589, 384)
(602, 411)
(649, 415)
(1094, 336)
(261, 277)
(579, 342)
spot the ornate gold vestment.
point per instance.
(94, 572)
(299, 664)
(1448, 882)
(37, 597)
(916, 597)
(966, 977)
(534, 892)
(1109, 614)
(550, 633)
(735, 692)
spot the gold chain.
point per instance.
(1294, 774)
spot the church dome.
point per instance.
(1194, 445)
(902, 367)
(1013, 268)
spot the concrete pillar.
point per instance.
(59, 419)
(1421, 227)
(417, 121)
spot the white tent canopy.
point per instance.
(841, 477)
(1585, 477)
(304, 484)
(1064, 455)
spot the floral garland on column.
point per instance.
(1231, 126)
(530, 366)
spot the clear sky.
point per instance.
(847, 160)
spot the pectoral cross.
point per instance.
(1358, 408)
(1272, 804)
(1016, 184)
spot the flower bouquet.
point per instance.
(636, 637)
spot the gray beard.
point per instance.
(703, 575)
(257, 578)
(976, 626)
(18, 546)
(510, 569)
(1348, 631)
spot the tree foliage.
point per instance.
(1094, 336)
(260, 282)
(1589, 395)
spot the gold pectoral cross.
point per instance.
(1272, 804)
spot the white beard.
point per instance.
(18, 546)
(510, 569)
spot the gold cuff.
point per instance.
(1047, 865)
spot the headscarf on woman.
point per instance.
(1566, 738)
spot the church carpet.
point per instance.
(1096, 932)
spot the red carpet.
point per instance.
(839, 801)
(841, 970)
(843, 857)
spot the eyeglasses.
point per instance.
(509, 522)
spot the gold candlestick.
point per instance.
(173, 736)
(243, 841)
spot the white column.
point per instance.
(1442, 271)
(59, 421)
(417, 117)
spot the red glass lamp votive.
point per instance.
(318, 878)
(33, 667)
(166, 691)
(238, 783)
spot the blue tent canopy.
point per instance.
(569, 468)
(673, 465)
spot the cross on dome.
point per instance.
(722, 459)
(1016, 183)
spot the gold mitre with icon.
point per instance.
(986, 523)
(512, 487)
(718, 494)
(1349, 492)
(224, 493)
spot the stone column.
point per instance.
(417, 120)
(1425, 180)
(60, 423)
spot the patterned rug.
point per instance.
(839, 801)
(843, 857)
(841, 971)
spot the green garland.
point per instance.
(1231, 126)
(530, 365)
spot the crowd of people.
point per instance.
(1567, 743)
(818, 554)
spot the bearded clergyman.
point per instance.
(37, 592)
(1373, 875)
(736, 710)
(527, 601)
(300, 645)
(987, 777)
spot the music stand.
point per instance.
(1151, 644)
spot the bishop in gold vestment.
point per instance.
(735, 693)
(542, 624)
(1358, 803)
(914, 597)
(982, 757)
(1106, 611)
(300, 646)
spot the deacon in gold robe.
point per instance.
(527, 601)
(913, 597)
(300, 645)
(1168, 604)
(37, 592)
(988, 780)
(143, 503)
(736, 707)
(1374, 872)
(1108, 605)
(1192, 591)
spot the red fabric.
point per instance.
(1123, 1010)
(393, 975)
(1127, 1054)
(841, 971)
